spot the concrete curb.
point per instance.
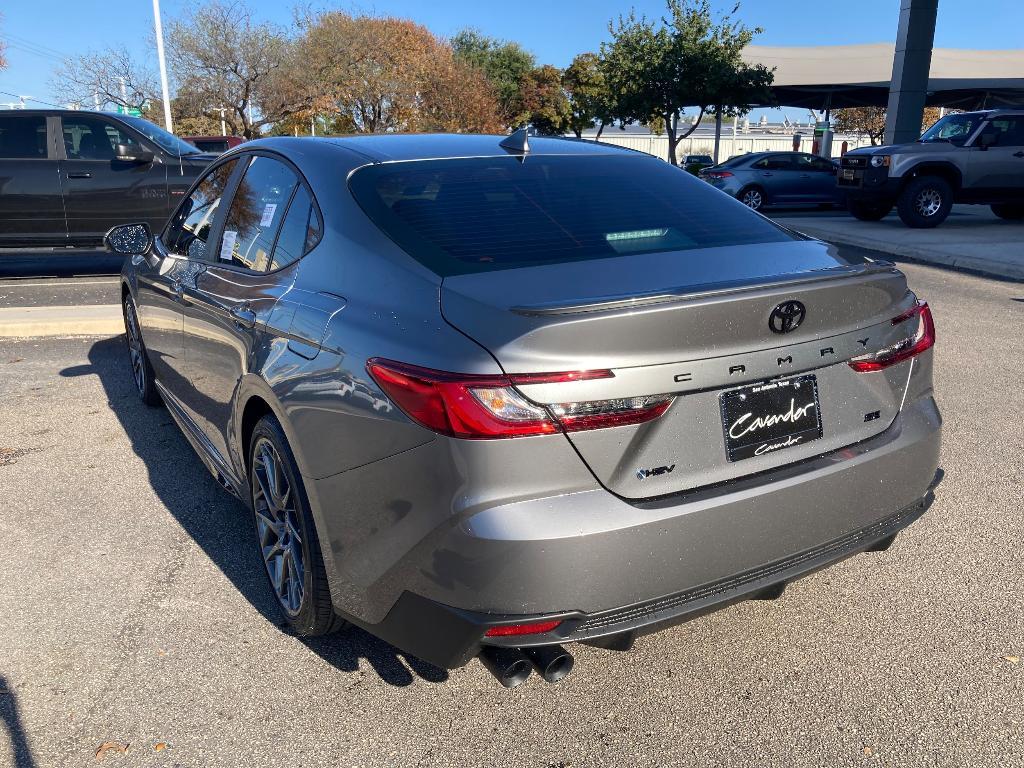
(87, 320)
(994, 267)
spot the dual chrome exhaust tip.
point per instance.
(512, 666)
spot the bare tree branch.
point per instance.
(109, 76)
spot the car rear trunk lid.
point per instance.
(705, 335)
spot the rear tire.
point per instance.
(753, 197)
(1008, 211)
(142, 369)
(925, 202)
(868, 211)
(286, 534)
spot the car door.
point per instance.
(102, 191)
(817, 182)
(31, 206)
(778, 175)
(1000, 168)
(182, 249)
(226, 310)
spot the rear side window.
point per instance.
(1009, 131)
(775, 163)
(211, 145)
(23, 137)
(483, 214)
(299, 232)
(812, 163)
(257, 210)
(188, 232)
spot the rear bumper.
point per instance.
(450, 637)
(607, 566)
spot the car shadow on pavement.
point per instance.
(219, 523)
(12, 722)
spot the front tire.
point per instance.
(1008, 211)
(142, 369)
(286, 535)
(753, 197)
(925, 202)
(868, 211)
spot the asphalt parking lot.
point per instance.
(135, 611)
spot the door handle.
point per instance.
(1019, 154)
(243, 316)
(80, 175)
(766, 173)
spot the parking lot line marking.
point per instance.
(57, 282)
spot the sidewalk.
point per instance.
(88, 320)
(971, 238)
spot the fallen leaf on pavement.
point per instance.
(110, 746)
(1012, 659)
(868, 751)
(159, 746)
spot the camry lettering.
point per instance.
(745, 424)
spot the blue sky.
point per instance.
(553, 31)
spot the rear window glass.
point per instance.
(482, 214)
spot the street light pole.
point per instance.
(163, 65)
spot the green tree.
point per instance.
(503, 63)
(545, 106)
(688, 58)
(590, 101)
(737, 86)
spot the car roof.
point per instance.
(382, 148)
(52, 112)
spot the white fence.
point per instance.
(741, 145)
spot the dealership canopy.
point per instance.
(836, 76)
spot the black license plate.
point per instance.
(769, 417)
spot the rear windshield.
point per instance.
(483, 214)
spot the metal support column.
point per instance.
(913, 59)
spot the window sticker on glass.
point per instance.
(227, 245)
(268, 214)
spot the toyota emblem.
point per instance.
(787, 317)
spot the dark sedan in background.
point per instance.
(777, 178)
(67, 176)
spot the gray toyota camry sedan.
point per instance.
(488, 396)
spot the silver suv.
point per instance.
(971, 157)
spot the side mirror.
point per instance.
(987, 139)
(133, 153)
(130, 240)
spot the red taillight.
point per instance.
(598, 414)
(484, 407)
(460, 405)
(522, 629)
(718, 174)
(922, 338)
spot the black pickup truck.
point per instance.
(66, 176)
